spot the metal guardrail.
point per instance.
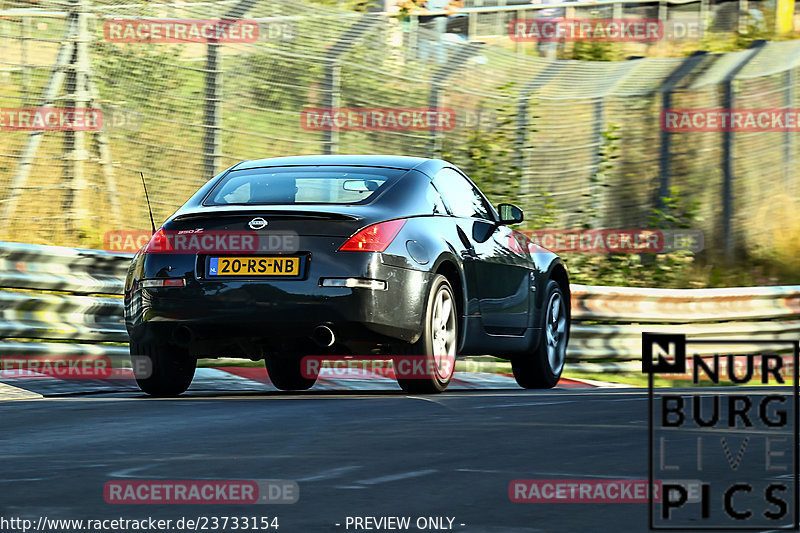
(624, 304)
(56, 268)
(50, 294)
(608, 322)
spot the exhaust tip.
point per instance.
(323, 336)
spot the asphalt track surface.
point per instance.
(353, 453)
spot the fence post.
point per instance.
(332, 87)
(332, 75)
(521, 140)
(728, 238)
(75, 154)
(452, 65)
(212, 112)
(500, 16)
(788, 136)
(434, 102)
(743, 8)
(665, 158)
(599, 129)
(599, 125)
(705, 15)
(472, 25)
(25, 35)
(413, 36)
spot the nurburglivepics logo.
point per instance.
(724, 449)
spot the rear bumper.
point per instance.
(281, 311)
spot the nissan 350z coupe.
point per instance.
(370, 256)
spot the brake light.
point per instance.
(159, 242)
(374, 238)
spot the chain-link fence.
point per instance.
(529, 130)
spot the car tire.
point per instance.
(162, 369)
(541, 369)
(284, 370)
(436, 346)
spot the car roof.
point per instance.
(393, 161)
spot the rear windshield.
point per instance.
(302, 185)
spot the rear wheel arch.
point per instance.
(559, 274)
(543, 364)
(446, 266)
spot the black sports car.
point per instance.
(373, 256)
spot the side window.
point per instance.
(460, 195)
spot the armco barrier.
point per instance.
(608, 321)
(50, 294)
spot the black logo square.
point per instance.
(662, 344)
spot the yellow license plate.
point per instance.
(254, 266)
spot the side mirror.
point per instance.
(510, 214)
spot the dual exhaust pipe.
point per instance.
(323, 336)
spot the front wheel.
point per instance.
(432, 360)
(162, 369)
(542, 368)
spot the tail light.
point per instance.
(159, 242)
(162, 282)
(374, 238)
